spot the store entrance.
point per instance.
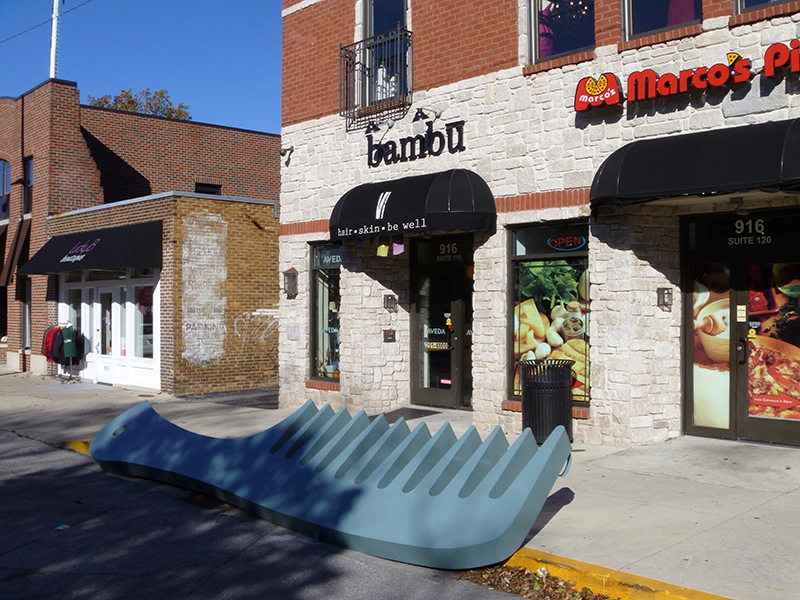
(441, 322)
(745, 326)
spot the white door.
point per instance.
(106, 333)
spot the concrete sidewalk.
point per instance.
(682, 519)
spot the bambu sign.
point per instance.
(430, 143)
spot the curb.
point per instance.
(81, 446)
(602, 580)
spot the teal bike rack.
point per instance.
(386, 490)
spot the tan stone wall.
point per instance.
(248, 356)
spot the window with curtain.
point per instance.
(563, 27)
(648, 16)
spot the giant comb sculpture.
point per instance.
(432, 500)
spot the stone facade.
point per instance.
(539, 157)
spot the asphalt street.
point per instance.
(71, 532)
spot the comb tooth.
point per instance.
(406, 457)
(372, 435)
(347, 436)
(480, 464)
(429, 457)
(276, 436)
(381, 458)
(508, 469)
(534, 466)
(324, 435)
(452, 462)
(307, 432)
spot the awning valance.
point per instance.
(127, 246)
(721, 161)
(455, 200)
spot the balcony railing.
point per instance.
(375, 78)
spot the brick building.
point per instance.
(607, 181)
(156, 239)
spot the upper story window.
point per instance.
(214, 189)
(5, 188)
(562, 27)
(650, 16)
(375, 73)
(747, 5)
(27, 181)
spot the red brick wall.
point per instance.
(455, 40)
(311, 40)
(452, 40)
(167, 155)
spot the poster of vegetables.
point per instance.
(551, 317)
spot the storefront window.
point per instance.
(123, 322)
(325, 306)
(143, 321)
(563, 27)
(551, 300)
(74, 308)
(648, 16)
(106, 274)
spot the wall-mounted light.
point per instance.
(423, 116)
(664, 299)
(287, 150)
(372, 126)
(390, 302)
(290, 286)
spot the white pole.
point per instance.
(54, 41)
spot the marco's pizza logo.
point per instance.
(597, 92)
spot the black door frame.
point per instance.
(460, 392)
(738, 257)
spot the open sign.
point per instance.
(567, 242)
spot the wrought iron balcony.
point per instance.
(375, 78)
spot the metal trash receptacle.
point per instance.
(546, 396)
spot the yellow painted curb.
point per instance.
(602, 580)
(81, 446)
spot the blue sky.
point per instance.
(220, 57)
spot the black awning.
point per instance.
(721, 161)
(20, 237)
(127, 246)
(456, 200)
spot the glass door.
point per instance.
(770, 406)
(441, 341)
(745, 328)
(106, 334)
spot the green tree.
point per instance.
(145, 102)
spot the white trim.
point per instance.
(300, 6)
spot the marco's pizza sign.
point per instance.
(606, 90)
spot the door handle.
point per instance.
(741, 348)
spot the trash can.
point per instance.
(546, 396)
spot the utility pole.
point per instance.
(54, 41)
